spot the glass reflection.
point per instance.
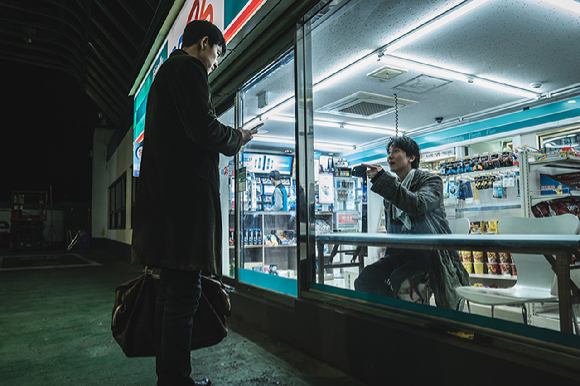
(269, 255)
(387, 81)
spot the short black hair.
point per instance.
(409, 146)
(275, 174)
(197, 29)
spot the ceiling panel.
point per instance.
(509, 41)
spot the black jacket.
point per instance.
(178, 216)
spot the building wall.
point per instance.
(106, 173)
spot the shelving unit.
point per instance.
(262, 257)
(530, 179)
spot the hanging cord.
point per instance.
(396, 116)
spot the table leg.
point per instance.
(321, 263)
(563, 260)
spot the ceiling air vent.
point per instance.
(386, 73)
(365, 105)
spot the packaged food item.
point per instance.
(492, 257)
(468, 266)
(505, 257)
(514, 271)
(453, 189)
(478, 256)
(506, 269)
(465, 256)
(492, 227)
(477, 227)
(478, 268)
(492, 268)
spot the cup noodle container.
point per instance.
(514, 271)
(505, 257)
(478, 256)
(493, 268)
(492, 257)
(468, 266)
(506, 269)
(478, 267)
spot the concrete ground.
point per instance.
(55, 330)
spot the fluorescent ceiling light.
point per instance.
(367, 129)
(341, 74)
(291, 141)
(572, 101)
(504, 88)
(435, 23)
(337, 125)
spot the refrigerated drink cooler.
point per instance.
(347, 204)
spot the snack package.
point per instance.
(478, 268)
(478, 256)
(505, 257)
(506, 269)
(468, 266)
(465, 256)
(492, 257)
(492, 268)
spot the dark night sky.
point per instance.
(48, 123)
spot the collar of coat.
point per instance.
(180, 52)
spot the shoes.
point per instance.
(203, 382)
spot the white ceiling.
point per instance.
(507, 41)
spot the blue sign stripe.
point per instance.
(504, 124)
(272, 282)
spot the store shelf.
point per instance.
(280, 246)
(480, 172)
(548, 197)
(494, 207)
(566, 163)
(492, 277)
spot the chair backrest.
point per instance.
(459, 226)
(534, 270)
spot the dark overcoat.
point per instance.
(177, 209)
(423, 202)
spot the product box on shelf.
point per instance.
(553, 155)
(254, 266)
(559, 184)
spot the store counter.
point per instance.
(557, 249)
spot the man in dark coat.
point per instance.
(178, 217)
(413, 201)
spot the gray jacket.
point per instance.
(423, 203)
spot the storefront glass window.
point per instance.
(227, 196)
(268, 256)
(375, 82)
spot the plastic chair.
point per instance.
(535, 274)
(459, 226)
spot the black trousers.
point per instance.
(385, 276)
(177, 303)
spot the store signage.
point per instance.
(434, 155)
(348, 218)
(265, 163)
(242, 180)
(238, 13)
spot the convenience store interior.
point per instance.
(376, 74)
